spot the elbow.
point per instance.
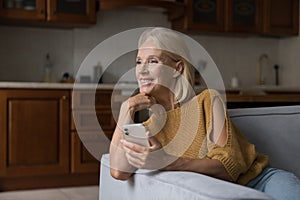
(119, 175)
(227, 177)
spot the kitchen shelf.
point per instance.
(174, 9)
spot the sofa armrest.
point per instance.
(171, 185)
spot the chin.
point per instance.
(146, 89)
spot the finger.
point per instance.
(154, 143)
(134, 147)
(143, 106)
(144, 99)
(140, 104)
(133, 161)
(133, 153)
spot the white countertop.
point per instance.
(132, 86)
(264, 89)
(42, 85)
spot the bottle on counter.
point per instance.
(47, 77)
(98, 73)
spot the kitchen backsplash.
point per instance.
(23, 49)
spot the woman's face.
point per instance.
(155, 71)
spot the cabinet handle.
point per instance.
(42, 12)
(64, 97)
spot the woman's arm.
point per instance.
(119, 166)
(208, 167)
(141, 157)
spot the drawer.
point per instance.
(87, 121)
(88, 99)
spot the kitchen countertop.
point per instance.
(42, 85)
(263, 89)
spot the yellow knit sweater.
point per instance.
(185, 132)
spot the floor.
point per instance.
(74, 193)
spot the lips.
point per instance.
(146, 81)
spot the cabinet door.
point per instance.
(25, 10)
(87, 151)
(71, 11)
(202, 15)
(207, 15)
(244, 16)
(34, 131)
(281, 17)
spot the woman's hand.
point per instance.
(144, 157)
(133, 104)
(139, 102)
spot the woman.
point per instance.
(186, 132)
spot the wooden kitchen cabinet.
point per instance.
(63, 12)
(281, 17)
(202, 15)
(10, 11)
(45, 141)
(34, 132)
(244, 16)
(91, 110)
(238, 16)
(75, 11)
(39, 142)
(173, 9)
(261, 17)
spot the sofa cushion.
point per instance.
(275, 131)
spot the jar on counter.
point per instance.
(67, 78)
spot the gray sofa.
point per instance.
(275, 131)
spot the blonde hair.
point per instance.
(173, 46)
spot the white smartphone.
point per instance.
(136, 133)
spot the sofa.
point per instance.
(275, 131)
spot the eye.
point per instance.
(138, 62)
(153, 61)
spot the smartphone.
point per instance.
(136, 133)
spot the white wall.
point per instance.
(22, 49)
(289, 65)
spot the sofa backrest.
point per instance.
(274, 131)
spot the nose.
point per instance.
(143, 68)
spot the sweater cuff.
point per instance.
(230, 165)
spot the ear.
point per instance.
(178, 69)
